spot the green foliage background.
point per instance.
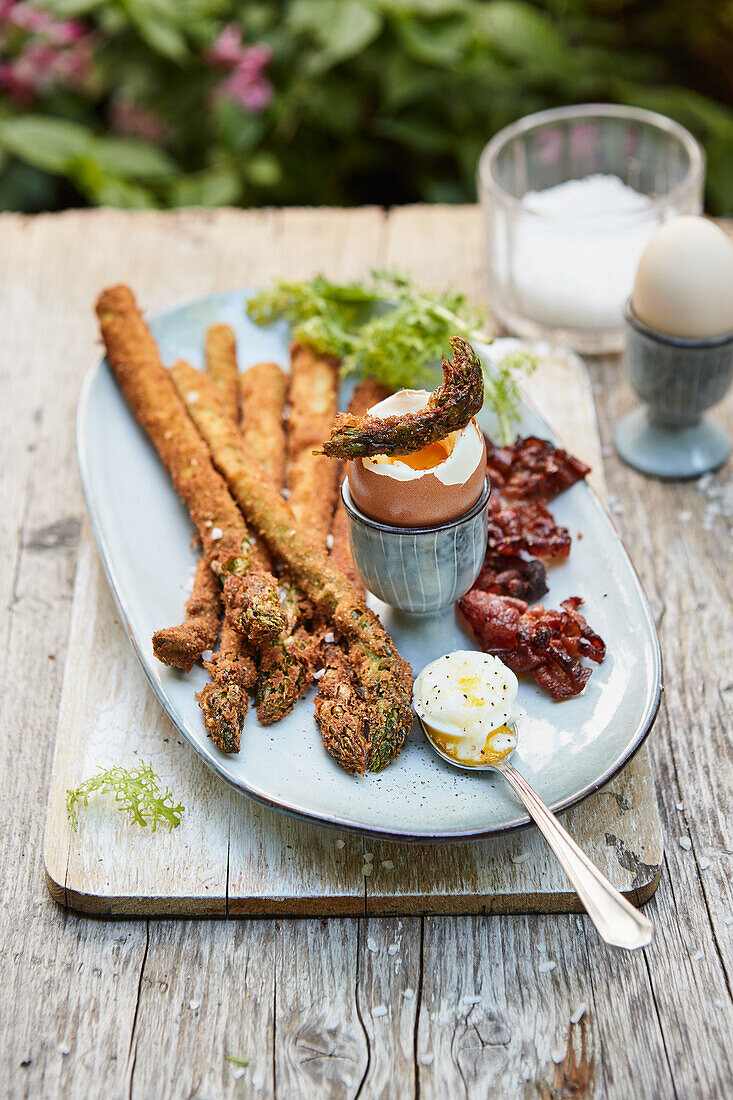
(383, 101)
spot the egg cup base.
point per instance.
(670, 453)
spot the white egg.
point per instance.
(684, 281)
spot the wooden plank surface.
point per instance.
(231, 856)
(92, 1007)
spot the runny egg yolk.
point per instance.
(425, 459)
(498, 745)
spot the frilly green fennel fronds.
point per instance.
(136, 791)
(386, 328)
(501, 392)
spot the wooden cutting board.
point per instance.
(231, 856)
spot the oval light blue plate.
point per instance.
(567, 750)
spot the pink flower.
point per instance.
(28, 18)
(227, 49)
(249, 88)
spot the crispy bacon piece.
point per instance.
(532, 468)
(546, 642)
(526, 525)
(512, 575)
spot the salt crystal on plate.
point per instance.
(427, 1059)
(258, 1080)
(63, 1049)
(379, 1010)
(521, 858)
(703, 863)
(546, 967)
(728, 922)
(409, 994)
(207, 655)
(697, 956)
(685, 843)
(558, 1055)
(472, 1000)
(393, 949)
(216, 532)
(340, 843)
(579, 1013)
(317, 675)
(388, 864)
(194, 1005)
(371, 944)
(329, 637)
(680, 805)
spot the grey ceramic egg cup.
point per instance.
(418, 569)
(678, 380)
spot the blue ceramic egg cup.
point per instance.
(678, 380)
(418, 569)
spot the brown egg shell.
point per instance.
(421, 502)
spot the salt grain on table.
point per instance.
(371, 944)
(703, 863)
(522, 857)
(409, 994)
(427, 1059)
(393, 949)
(558, 1055)
(546, 967)
(685, 843)
(379, 1010)
(579, 1013)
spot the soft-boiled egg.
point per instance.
(684, 282)
(432, 486)
(466, 700)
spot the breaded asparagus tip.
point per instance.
(262, 401)
(366, 394)
(133, 357)
(181, 646)
(224, 701)
(311, 479)
(383, 674)
(221, 363)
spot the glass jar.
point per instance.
(561, 265)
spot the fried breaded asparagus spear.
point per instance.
(341, 706)
(181, 646)
(221, 363)
(286, 662)
(450, 408)
(384, 676)
(262, 400)
(366, 394)
(311, 479)
(133, 356)
(224, 700)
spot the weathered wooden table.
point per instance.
(150, 1009)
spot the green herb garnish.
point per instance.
(390, 330)
(386, 328)
(236, 1061)
(136, 791)
(501, 392)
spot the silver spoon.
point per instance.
(616, 919)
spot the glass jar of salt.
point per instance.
(570, 198)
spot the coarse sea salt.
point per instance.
(685, 843)
(579, 1013)
(575, 265)
(371, 944)
(546, 967)
(379, 1010)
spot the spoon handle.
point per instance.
(616, 919)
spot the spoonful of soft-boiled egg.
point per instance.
(466, 703)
